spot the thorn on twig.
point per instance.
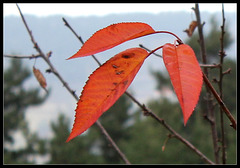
(165, 142)
(48, 71)
(215, 80)
(65, 22)
(231, 125)
(228, 71)
(222, 54)
(49, 54)
(205, 116)
(73, 92)
(145, 110)
(35, 44)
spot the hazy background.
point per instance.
(45, 21)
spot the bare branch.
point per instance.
(53, 70)
(221, 103)
(22, 56)
(209, 101)
(209, 65)
(221, 74)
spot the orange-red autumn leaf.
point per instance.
(112, 36)
(105, 86)
(185, 74)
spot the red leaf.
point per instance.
(185, 74)
(105, 86)
(112, 36)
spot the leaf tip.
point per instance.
(74, 56)
(185, 121)
(71, 136)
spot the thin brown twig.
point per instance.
(175, 134)
(209, 65)
(221, 103)
(222, 55)
(149, 113)
(53, 70)
(22, 56)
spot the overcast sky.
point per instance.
(101, 9)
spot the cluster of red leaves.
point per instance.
(112, 79)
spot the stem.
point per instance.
(179, 40)
(154, 50)
(140, 45)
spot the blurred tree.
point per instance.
(91, 147)
(80, 150)
(16, 100)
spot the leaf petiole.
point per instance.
(178, 39)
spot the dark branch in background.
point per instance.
(209, 88)
(221, 103)
(222, 55)
(54, 71)
(210, 108)
(147, 112)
